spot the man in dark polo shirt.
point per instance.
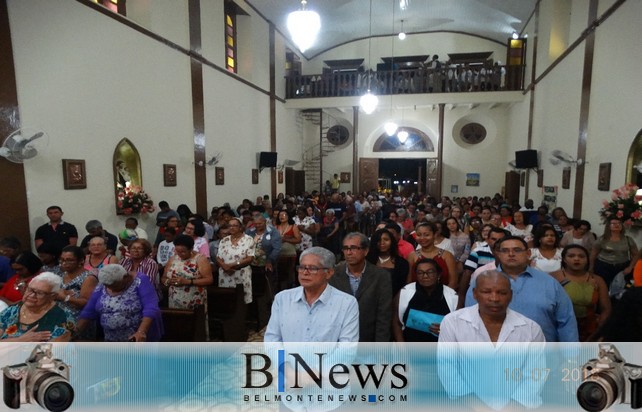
(56, 233)
(95, 228)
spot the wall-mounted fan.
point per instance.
(23, 144)
(560, 156)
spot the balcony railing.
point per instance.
(402, 82)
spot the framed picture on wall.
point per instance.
(169, 175)
(280, 176)
(454, 188)
(566, 178)
(604, 177)
(540, 178)
(255, 176)
(74, 175)
(522, 179)
(472, 179)
(345, 177)
(220, 176)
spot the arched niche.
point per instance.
(633, 175)
(126, 167)
(417, 141)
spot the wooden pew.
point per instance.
(184, 325)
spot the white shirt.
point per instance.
(465, 325)
(468, 363)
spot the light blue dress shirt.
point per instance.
(541, 298)
(334, 317)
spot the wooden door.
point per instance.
(511, 187)
(368, 174)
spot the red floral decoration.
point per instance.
(624, 205)
(134, 200)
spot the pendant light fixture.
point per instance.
(304, 25)
(402, 34)
(391, 127)
(369, 101)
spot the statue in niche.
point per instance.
(127, 170)
(124, 179)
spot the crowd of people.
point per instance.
(369, 267)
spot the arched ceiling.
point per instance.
(346, 20)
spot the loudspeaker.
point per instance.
(267, 159)
(526, 159)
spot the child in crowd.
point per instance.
(166, 247)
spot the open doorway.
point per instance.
(404, 175)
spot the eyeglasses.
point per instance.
(313, 270)
(135, 248)
(38, 293)
(427, 273)
(351, 248)
(514, 250)
(68, 260)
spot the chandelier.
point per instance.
(304, 25)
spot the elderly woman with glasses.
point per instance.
(139, 261)
(416, 305)
(36, 318)
(126, 305)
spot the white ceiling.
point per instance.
(345, 20)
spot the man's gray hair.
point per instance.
(492, 274)
(364, 242)
(259, 216)
(93, 224)
(51, 279)
(328, 260)
(109, 274)
(401, 212)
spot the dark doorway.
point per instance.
(404, 175)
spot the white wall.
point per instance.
(97, 81)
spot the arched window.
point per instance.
(417, 141)
(634, 161)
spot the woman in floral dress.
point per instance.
(187, 276)
(126, 305)
(235, 253)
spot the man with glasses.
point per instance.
(314, 311)
(536, 294)
(480, 260)
(368, 283)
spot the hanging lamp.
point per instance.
(304, 25)
(369, 101)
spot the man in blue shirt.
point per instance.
(314, 311)
(536, 294)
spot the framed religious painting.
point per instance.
(566, 178)
(74, 174)
(169, 175)
(604, 177)
(255, 176)
(219, 176)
